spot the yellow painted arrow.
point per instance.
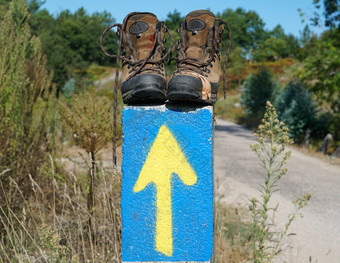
(164, 159)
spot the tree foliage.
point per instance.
(237, 65)
(331, 14)
(71, 41)
(321, 73)
(249, 33)
(173, 19)
(87, 118)
(296, 109)
(257, 90)
(247, 29)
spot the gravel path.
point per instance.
(237, 175)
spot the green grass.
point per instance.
(230, 108)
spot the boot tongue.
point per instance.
(141, 28)
(198, 24)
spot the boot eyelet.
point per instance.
(129, 67)
(206, 70)
(217, 50)
(139, 35)
(194, 32)
(213, 60)
(129, 57)
(165, 30)
(164, 40)
(164, 49)
(178, 30)
(221, 31)
(178, 48)
(210, 65)
(123, 52)
(218, 41)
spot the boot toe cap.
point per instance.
(144, 88)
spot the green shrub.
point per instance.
(69, 88)
(50, 243)
(88, 120)
(296, 109)
(256, 91)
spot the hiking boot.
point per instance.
(141, 39)
(198, 73)
(141, 44)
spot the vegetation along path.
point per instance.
(316, 236)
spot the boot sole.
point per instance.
(145, 88)
(187, 88)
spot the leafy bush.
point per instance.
(257, 90)
(297, 110)
(88, 120)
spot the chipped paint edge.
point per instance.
(164, 107)
(166, 262)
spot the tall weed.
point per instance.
(270, 150)
(26, 98)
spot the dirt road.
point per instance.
(237, 176)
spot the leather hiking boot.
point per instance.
(198, 73)
(141, 43)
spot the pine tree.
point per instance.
(256, 91)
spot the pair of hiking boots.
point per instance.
(143, 54)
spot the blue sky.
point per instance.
(272, 12)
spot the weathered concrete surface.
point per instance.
(238, 175)
(167, 187)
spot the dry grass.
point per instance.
(232, 234)
(312, 151)
(52, 225)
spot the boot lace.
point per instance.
(137, 67)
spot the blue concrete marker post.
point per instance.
(167, 187)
